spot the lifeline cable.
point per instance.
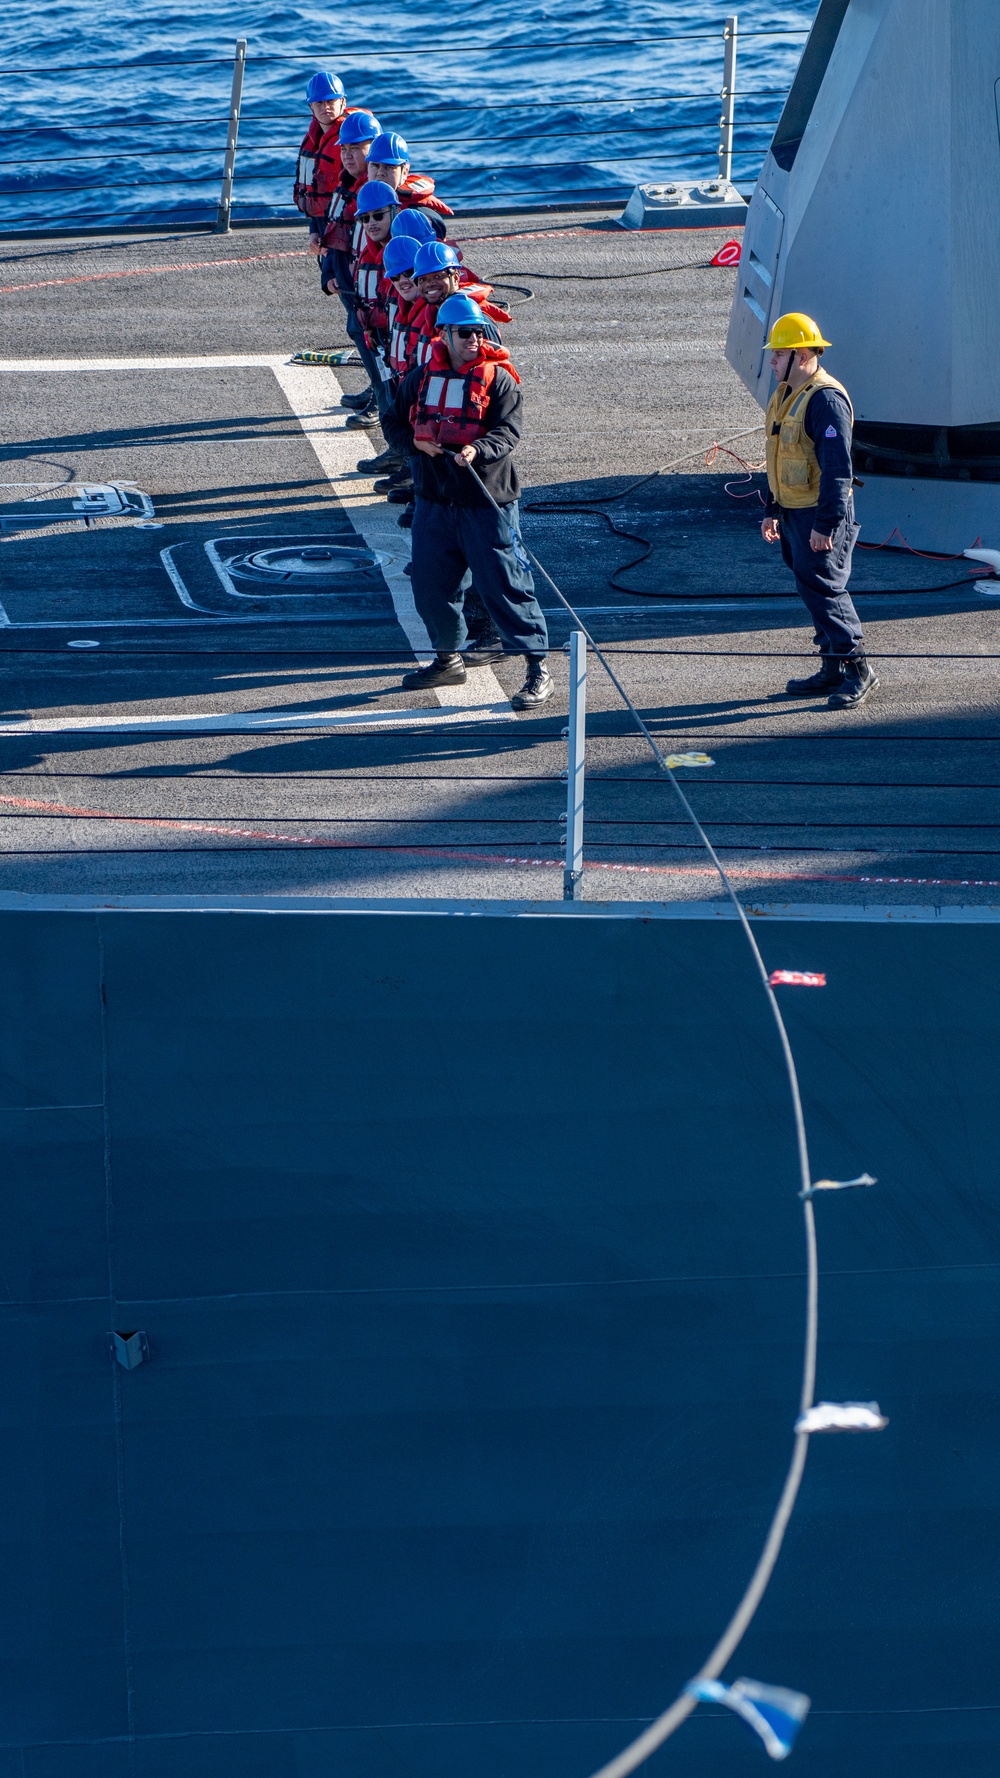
(773, 92)
(671, 1719)
(367, 52)
(360, 656)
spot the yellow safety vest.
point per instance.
(792, 464)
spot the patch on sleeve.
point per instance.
(831, 432)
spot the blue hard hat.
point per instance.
(359, 126)
(435, 256)
(389, 150)
(414, 223)
(375, 195)
(398, 255)
(461, 311)
(324, 86)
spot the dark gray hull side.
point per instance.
(471, 1266)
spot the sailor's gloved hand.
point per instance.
(429, 448)
(315, 245)
(820, 544)
(466, 455)
(770, 530)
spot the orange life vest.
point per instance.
(305, 169)
(404, 330)
(418, 189)
(327, 167)
(407, 331)
(482, 294)
(372, 288)
(358, 239)
(451, 406)
(340, 217)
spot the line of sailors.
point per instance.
(441, 388)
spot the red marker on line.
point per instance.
(796, 978)
(730, 254)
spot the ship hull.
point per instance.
(467, 1250)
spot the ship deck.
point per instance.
(215, 744)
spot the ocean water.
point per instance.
(115, 113)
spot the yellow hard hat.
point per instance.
(795, 333)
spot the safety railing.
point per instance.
(239, 162)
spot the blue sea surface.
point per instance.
(119, 114)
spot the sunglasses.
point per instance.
(469, 333)
(375, 215)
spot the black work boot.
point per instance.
(384, 463)
(397, 486)
(365, 399)
(485, 643)
(858, 681)
(363, 419)
(445, 669)
(828, 678)
(484, 651)
(537, 688)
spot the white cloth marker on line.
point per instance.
(838, 1185)
(842, 1416)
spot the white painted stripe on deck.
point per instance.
(310, 391)
(241, 722)
(207, 361)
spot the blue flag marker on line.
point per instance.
(773, 1712)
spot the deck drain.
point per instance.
(314, 567)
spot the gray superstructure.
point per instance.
(876, 212)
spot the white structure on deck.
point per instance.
(878, 212)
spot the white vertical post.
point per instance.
(222, 222)
(577, 742)
(728, 117)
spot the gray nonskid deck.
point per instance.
(210, 744)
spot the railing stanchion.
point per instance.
(223, 222)
(728, 117)
(576, 750)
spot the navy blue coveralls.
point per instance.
(456, 534)
(822, 579)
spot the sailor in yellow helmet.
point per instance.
(810, 507)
